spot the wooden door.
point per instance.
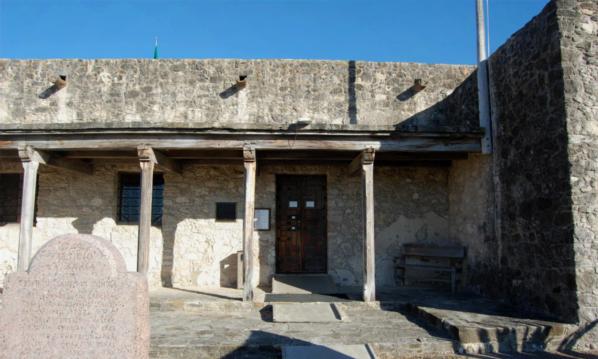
(301, 224)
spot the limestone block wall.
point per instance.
(578, 22)
(411, 205)
(536, 256)
(68, 202)
(199, 94)
(192, 249)
(202, 249)
(471, 218)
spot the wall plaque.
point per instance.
(262, 219)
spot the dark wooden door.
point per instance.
(301, 224)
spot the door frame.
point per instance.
(325, 224)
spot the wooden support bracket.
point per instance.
(364, 158)
(30, 154)
(148, 154)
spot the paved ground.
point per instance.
(219, 327)
(217, 324)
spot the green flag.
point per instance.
(156, 49)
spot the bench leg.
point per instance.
(453, 281)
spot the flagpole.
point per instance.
(483, 88)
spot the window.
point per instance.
(226, 211)
(129, 196)
(10, 197)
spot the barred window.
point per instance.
(130, 198)
(10, 197)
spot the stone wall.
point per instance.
(198, 251)
(578, 22)
(411, 206)
(68, 202)
(536, 258)
(471, 218)
(199, 94)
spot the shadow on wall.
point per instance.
(568, 344)
(169, 227)
(49, 91)
(458, 112)
(352, 109)
(228, 271)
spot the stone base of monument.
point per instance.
(76, 301)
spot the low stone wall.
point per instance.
(138, 93)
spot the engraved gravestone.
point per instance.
(76, 301)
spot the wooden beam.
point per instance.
(248, 254)
(145, 214)
(55, 160)
(30, 166)
(369, 252)
(158, 158)
(365, 157)
(411, 144)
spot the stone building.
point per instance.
(343, 163)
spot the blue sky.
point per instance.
(431, 31)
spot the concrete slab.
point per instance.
(494, 331)
(306, 313)
(303, 284)
(328, 352)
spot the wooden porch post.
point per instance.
(30, 161)
(250, 169)
(147, 162)
(369, 252)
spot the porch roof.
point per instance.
(225, 147)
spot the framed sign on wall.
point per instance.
(262, 219)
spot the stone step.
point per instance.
(229, 307)
(307, 313)
(303, 284)
(493, 332)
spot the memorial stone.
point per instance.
(76, 301)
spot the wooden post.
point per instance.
(369, 252)
(250, 169)
(147, 162)
(30, 165)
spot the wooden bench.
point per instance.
(435, 259)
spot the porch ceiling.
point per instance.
(265, 157)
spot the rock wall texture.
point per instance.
(201, 94)
(411, 205)
(69, 202)
(578, 22)
(537, 263)
(471, 217)
(192, 249)
(544, 101)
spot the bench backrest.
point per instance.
(457, 252)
